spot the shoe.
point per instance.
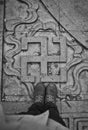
(39, 93)
(51, 93)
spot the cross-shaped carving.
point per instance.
(43, 59)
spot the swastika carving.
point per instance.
(44, 58)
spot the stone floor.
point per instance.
(47, 41)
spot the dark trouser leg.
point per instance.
(54, 113)
(35, 109)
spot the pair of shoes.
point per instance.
(44, 94)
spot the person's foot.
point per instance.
(51, 93)
(39, 93)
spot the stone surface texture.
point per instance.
(47, 41)
(1, 38)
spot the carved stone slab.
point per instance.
(36, 47)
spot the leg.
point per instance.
(50, 103)
(36, 109)
(33, 110)
(54, 113)
(38, 105)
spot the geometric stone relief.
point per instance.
(76, 121)
(45, 60)
(37, 49)
(81, 124)
(17, 60)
